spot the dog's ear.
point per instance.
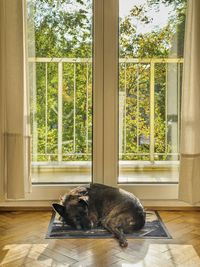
(59, 209)
(84, 199)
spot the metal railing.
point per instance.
(151, 63)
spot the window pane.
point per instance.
(60, 80)
(150, 74)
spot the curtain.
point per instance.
(189, 186)
(14, 92)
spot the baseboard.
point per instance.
(46, 205)
(49, 208)
(26, 208)
(158, 208)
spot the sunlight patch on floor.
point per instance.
(156, 255)
(26, 251)
(168, 255)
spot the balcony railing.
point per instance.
(172, 89)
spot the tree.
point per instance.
(63, 28)
(158, 43)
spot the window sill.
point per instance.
(130, 172)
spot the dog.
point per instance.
(117, 210)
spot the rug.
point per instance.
(154, 228)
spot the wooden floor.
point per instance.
(22, 243)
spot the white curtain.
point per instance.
(189, 187)
(14, 94)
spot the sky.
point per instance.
(160, 17)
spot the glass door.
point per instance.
(151, 44)
(60, 44)
(108, 112)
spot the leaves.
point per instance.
(63, 28)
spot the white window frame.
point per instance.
(111, 61)
(105, 120)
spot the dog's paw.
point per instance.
(123, 243)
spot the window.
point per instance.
(81, 124)
(60, 80)
(151, 44)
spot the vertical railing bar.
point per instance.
(46, 106)
(125, 100)
(152, 84)
(166, 107)
(179, 105)
(34, 97)
(152, 106)
(74, 123)
(60, 85)
(137, 120)
(87, 77)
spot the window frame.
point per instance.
(105, 117)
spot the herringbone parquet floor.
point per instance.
(22, 243)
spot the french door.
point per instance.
(60, 65)
(128, 118)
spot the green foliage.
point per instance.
(63, 28)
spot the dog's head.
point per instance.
(74, 210)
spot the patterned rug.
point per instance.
(154, 228)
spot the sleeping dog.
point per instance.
(117, 210)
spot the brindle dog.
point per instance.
(117, 210)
